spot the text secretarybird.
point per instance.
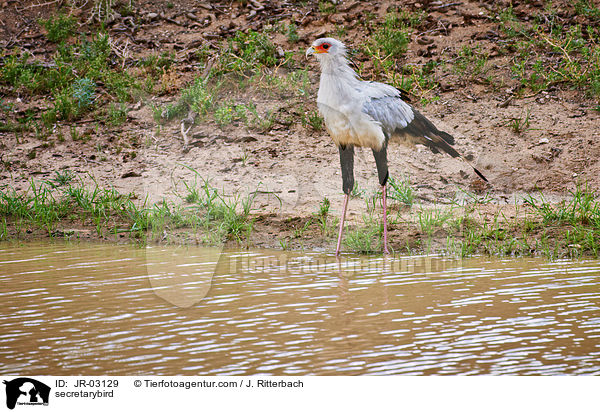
(367, 114)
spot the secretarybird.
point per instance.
(367, 114)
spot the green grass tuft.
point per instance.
(401, 191)
(364, 239)
(59, 27)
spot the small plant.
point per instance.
(520, 124)
(327, 7)
(393, 36)
(79, 69)
(193, 193)
(17, 71)
(292, 33)
(471, 62)
(260, 123)
(295, 82)
(301, 230)
(432, 219)
(224, 114)
(59, 27)
(587, 8)
(312, 119)
(117, 113)
(246, 51)
(357, 192)
(170, 111)
(322, 215)
(74, 133)
(422, 79)
(221, 216)
(62, 178)
(366, 239)
(158, 62)
(401, 191)
(340, 31)
(64, 105)
(199, 97)
(126, 8)
(71, 103)
(324, 207)
(582, 209)
(509, 23)
(228, 113)
(84, 93)
(49, 117)
(245, 156)
(237, 225)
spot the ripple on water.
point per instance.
(93, 309)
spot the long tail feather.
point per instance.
(422, 131)
(440, 143)
(479, 174)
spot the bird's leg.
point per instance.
(347, 163)
(384, 201)
(339, 242)
(383, 173)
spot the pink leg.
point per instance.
(384, 201)
(339, 242)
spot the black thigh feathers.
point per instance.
(347, 163)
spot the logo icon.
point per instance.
(26, 391)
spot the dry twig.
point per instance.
(31, 6)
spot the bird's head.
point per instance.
(326, 48)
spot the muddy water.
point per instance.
(98, 309)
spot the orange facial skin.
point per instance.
(322, 48)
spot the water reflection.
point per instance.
(105, 309)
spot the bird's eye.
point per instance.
(325, 46)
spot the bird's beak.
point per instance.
(310, 51)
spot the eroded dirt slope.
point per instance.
(294, 167)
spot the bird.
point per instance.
(359, 113)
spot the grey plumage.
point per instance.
(368, 114)
(390, 112)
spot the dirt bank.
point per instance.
(523, 133)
